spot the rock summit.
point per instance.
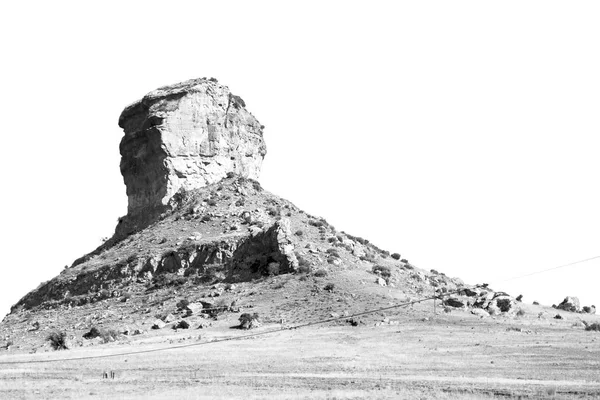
(184, 136)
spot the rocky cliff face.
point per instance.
(184, 136)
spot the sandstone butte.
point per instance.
(184, 136)
(197, 219)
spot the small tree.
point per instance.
(58, 340)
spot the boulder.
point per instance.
(569, 304)
(193, 309)
(589, 309)
(479, 312)
(181, 325)
(158, 324)
(184, 136)
(169, 318)
(380, 281)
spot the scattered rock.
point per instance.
(380, 281)
(158, 324)
(589, 309)
(569, 304)
(181, 325)
(480, 312)
(193, 309)
(169, 318)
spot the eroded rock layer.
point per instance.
(184, 136)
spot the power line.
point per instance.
(548, 269)
(255, 334)
(298, 326)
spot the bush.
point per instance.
(321, 273)
(382, 270)
(230, 174)
(404, 260)
(396, 256)
(521, 312)
(182, 304)
(329, 287)
(212, 202)
(593, 327)
(333, 252)
(535, 303)
(273, 269)
(240, 202)
(249, 321)
(299, 233)
(109, 335)
(58, 340)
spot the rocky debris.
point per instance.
(92, 334)
(158, 324)
(193, 309)
(169, 318)
(480, 312)
(589, 309)
(380, 281)
(183, 324)
(239, 258)
(486, 300)
(570, 304)
(184, 136)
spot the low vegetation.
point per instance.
(58, 340)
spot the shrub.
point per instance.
(205, 218)
(382, 270)
(273, 268)
(593, 327)
(230, 174)
(313, 222)
(368, 257)
(521, 312)
(333, 252)
(93, 333)
(109, 335)
(126, 296)
(212, 202)
(329, 287)
(58, 340)
(299, 233)
(249, 321)
(396, 256)
(182, 304)
(535, 303)
(240, 202)
(321, 273)
(404, 260)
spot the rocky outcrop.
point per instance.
(570, 304)
(184, 136)
(233, 259)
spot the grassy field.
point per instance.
(421, 356)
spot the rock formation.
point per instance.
(184, 136)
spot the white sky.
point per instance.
(463, 134)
